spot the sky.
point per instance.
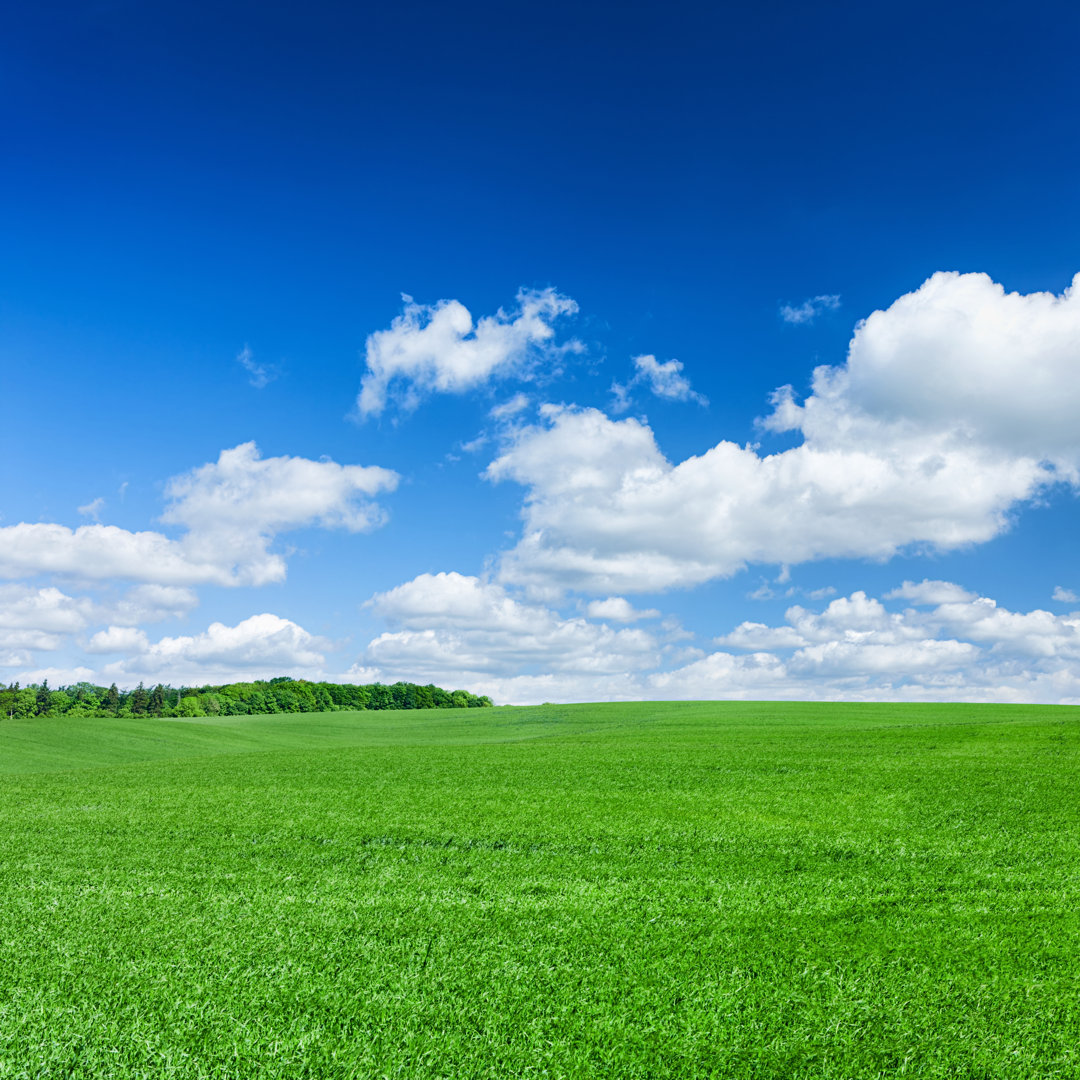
(571, 353)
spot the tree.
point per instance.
(59, 703)
(112, 700)
(379, 697)
(25, 702)
(140, 700)
(189, 706)
(44, 698)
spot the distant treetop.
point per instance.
(282, 694)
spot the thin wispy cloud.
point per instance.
(517, 404)
(808, 310)
(93, 508)
(259, 375)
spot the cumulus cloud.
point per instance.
(455, 629)
(126, 639)
(966, 647)
(1065, 596)
(808, 310)
(46, 618)
(452, 628)
(261, 646)
(102, 552)
(665, 380)
(955, 405)
(17, 645)
(439, 349)
(232, 510)
(23, 607)
(148, 604)
(959, 357)
(930, 592)
(605, 511)
(240, 502)
(618, 609)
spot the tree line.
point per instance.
(280, 695)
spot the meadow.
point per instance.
(697, 889)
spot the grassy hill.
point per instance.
(677, 889)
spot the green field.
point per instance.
(694, 889)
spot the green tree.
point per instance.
(140, 700)
(60, 703)
(190, 706)
(380, 697)
(25, 702)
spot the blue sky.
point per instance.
(448, 343)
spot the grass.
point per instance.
(688, 890)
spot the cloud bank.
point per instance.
(259, 647)
(946, 644)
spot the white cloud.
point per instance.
(232, 509)
(930, 592)
(457, 630)
(259, 375)
(473, 445)
(21, 643)
(23, 607)
(966, 648)
(961, 358)
(148, 604)
(901, 659)
(517, 404)
(102, 552)
(956, 404)
(809, 310)
(454, 629)
(606, 512)
(618, 609)
(93, 508)
(663, 379)
(240, 502)
(261, 646)
(1065, 596)
(758, 637)
(439, 348)
(57, 676)
(45, 618)
(125, 639)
